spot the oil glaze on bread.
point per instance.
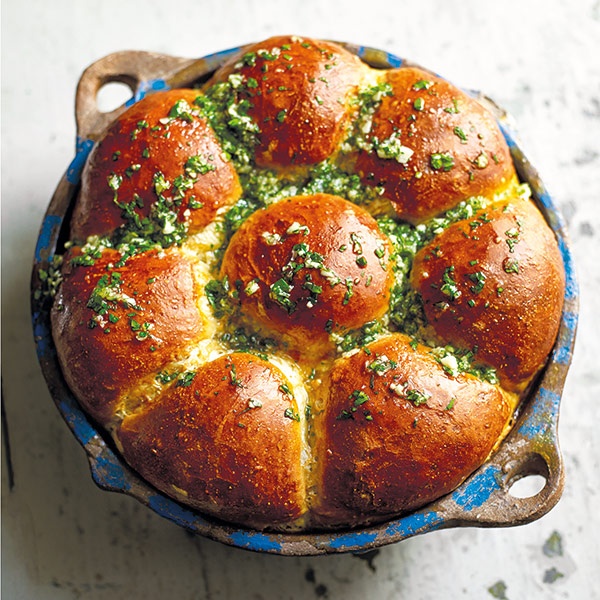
(310, 293)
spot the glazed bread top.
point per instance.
(309, 294)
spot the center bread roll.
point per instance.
(310, 266)
(310, 293)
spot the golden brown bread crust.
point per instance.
(113, 325)
(458, 149)
(310, 265)
(398, 432)
(230, 440)
(141, 157)
(495, 283)
(254, 364)
(299, 92)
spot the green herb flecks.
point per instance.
(422, 84)
(553, 546)
(392, 148)
(185, 379)
(241, 339)
(280, 292)
(511, 265)
(358, 398)
(403, 390)
(368, 101)
(381, 365)
(478, 278)
(290, 413)
(226, 108)
(50, 279)
(455, 361)
(328, 178)
(217, 292)
(441, 161)
(359, 338)
(166, 377)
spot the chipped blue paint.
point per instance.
(546, 201)
(563, 351)
(175, 512)
(394, 61)
(260, 542)
(48, 233)
(44, 345)
(543, 416)
(572, 287)
(414, 524)
(145, 87)
(477, 490)
(108, 472)
(390, 60)
(352, 540)
(76, 420)
(509, 135)
(82, 150)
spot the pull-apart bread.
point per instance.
(309, 294)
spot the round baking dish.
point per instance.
(486, 499)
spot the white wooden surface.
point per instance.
(64, 539)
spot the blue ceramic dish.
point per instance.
(484, 500)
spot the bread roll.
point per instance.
(115, 325)
(228, 440)
(160, 155)
(488, 282)
(397, 431)
(299, 93)
(309, 294)
(456, 148)
(310, 265)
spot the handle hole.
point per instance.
(113, 94)
(527, 486)
(528, 477)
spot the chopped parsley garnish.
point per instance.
(511, 265)
(114, 181)
(478, 279)
(481, 162)
(449, 287)
(290, 413)
(460, 134)
(196, 165)
(422, 84)
(367, 100)
(165, 377)
(358, 398)
(243, 340)
(361, 337)
(50, 278)
(186, 379)
(382, 364)
(441, 161)
(455, 361)
(512, 238)
(417, 397)
(453, 110)
(181, 110)
(281, 294)
(217, 292)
